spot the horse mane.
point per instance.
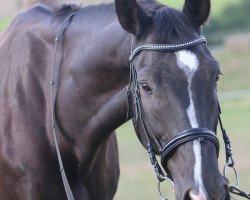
(150, 6)
(168, 23)
(65, 10)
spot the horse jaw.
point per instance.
(200, 196)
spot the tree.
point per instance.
(234, 18)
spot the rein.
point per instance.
(53, 85)
(136, 111)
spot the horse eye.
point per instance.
(217, 78)
(146, 88)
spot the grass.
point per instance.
(138, 179)
(236, 69)
(236, 116)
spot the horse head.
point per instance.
(173, 96)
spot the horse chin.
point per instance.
(187, 188)
(200, 196)
(188, 192)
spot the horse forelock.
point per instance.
(170, 24)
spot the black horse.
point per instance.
(176, 89)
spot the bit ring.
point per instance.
(235, 173)
(159, 186)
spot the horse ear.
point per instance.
(131, 16)
(199, 10)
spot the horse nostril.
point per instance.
(200, 196)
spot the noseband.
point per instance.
(187, 136)
(139, 116)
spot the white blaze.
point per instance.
(189, 63)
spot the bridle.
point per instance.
(136, 111)
(139, 116)
(154, 146)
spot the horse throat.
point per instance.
(91, 100)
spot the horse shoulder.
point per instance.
(25, 57)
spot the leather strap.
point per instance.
(53, 85)
(167, 47)
(187, 136)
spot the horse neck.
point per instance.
(93, 79)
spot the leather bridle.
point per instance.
(154, 146)
(139, 117)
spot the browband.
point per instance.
(167, 47)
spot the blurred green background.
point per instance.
(228, 35)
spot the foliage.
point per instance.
(233, 18)
(228, 16)
(217, 6)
